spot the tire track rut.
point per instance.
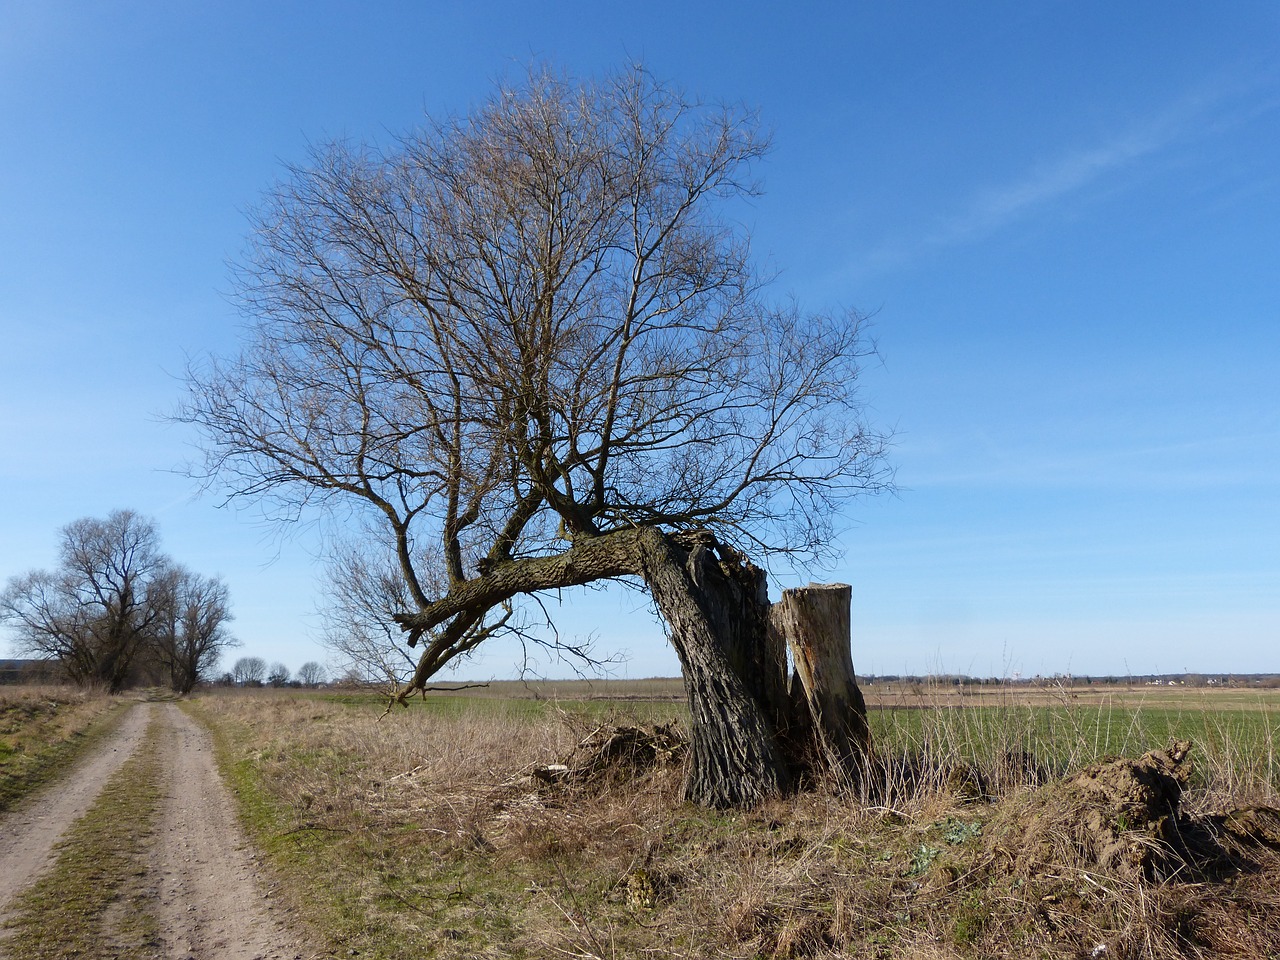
(212, 900)
(28, 833)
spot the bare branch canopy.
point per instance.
(523, 342)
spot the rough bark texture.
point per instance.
(815, 622)
(716, 608)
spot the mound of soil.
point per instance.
(1122, 819)
(1106, 863)
(610, 753)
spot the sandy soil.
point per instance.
(210, 899)
(213, 901)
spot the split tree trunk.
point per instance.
(716, 609)
(815, 621)
(751, 737)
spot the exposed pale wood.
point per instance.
(815, 621)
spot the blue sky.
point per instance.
(1064, 216)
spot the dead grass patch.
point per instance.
(43, 729)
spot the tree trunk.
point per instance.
(816, 624)
(716, 608)
(751, 739)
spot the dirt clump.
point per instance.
(1120, 817)
(1250, 826)
(610, 753)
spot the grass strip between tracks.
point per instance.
(94, 900)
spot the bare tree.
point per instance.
(366, 591)
(192, 631)
(100, 608)
(278, 675)
(249, 671)
(311, 674)
(530, 346)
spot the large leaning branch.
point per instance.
(605, 557)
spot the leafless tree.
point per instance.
(100, 608)
(311, 674)
(530, 347)
(249, 671)
(192, 631)
(366, 591)
(278, 675)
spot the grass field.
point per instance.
(1235, 730)
(432, 830)
(421, 832)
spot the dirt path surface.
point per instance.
(212, 900)
(28, 834)
(202, 883)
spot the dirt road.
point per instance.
(207, 896)
(27, 835)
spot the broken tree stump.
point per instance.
(815, 622)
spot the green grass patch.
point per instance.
(1235, 746)
(94, 902)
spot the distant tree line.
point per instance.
(254, 672)
(117, 611)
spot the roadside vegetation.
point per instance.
(93, 902)
(44, 729)
(476, 826)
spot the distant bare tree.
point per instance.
(311, 674)
(278, 675)
(191, 633)
(117, 610)
(530, 348)
(249, 671)
(99, 609)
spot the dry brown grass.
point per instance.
(43, 729)
(426, 833)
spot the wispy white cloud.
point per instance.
(995, 207)
(1207, 111)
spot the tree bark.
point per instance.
(716, 608)
(815, 622)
